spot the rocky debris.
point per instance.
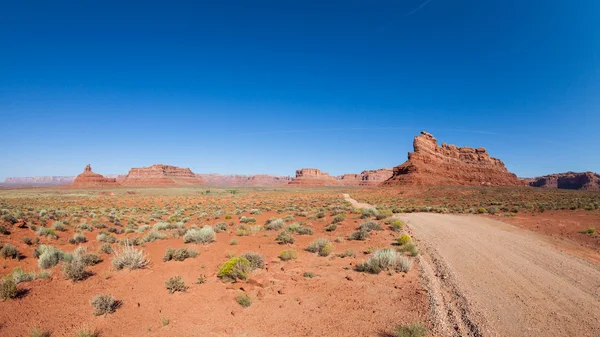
(314, 177)
(48, 180)
(243, 180)
(431, 164)
(568, 180)
(161, 175)
(91, 179)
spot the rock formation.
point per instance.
(161, 175)
(366, 178)
(314, 177)
(569, 180)
(431, 164)
(243, 180)
(34, 181)
(91, 179)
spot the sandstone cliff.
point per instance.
(568, 180)
(431, 164)
(161, 175)
(314, 177)
(91, 179)
(242, 180)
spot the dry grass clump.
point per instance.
(129, 257)
(104, 304)
(8, 288)
(204, 235)
(179, 254)
(9, 251)
(175, 284)
(257, 261)
(287, 255)
(284, 238)
(321, 246)
(243, 300)
(416, 329)
(385, 259)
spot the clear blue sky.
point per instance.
(274, 86)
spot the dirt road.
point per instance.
(489, 278)
(355, 203)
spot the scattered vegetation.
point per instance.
(104, 304)
(385, 259)
(235, 268)
(129, 257)
(175, 284)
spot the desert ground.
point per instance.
(343, 261)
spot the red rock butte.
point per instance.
(161, 175)
(314, 177)
(91, 179)
(243, 180)
(431, 164)
(568, 180)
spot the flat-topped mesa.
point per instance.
(375, 177)
(90, 179)
(313, 177)
(161, 175)
(569, 180)
(242, 180)
(431, 164)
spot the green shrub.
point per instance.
(284, 238)
(404, 239)
(8, 288)
(37, 332)
(396, 225)
(321, 246)
(28, 241)
(105, 237)
(383, 214)
(244, 300)
(308, 274)
(19, 275)
(204, 235)
(411, 248)
(104, 304)
(287, 255)
(274, 224)
(9, 251)
(179, 254)
(77, 238)
(326, 250)
(74, 269)
(304, 231)
(369, 226)
(47, 232)
(359, 235)
(417, 329)
(338, 218)
(106, 248)
(385, 259)
(257, 261)
(235, 268)
(331, 227)
(129, 257)
(346, 253)
(175, 284)
(48, 256)
(59, 226)
(221, 227)
(244, 219)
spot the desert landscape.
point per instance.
(432, 247)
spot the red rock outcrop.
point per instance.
(375, 177)
(161, 175)
(431, 164)
(34, 181)
(314, 177)
(242, 180)
(568, 180)
(91, 179)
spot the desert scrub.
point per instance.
(396, 225)
(411, 248)
(77, 238)
(416, 329)
(8, 288)
(369, 226)
(104, 304)
(274, 224)
(359, 235)
(9, 251)
(175, 284)
(284, 238)
(244, 219)
(338, 218)
(304, 231)
(243, 300)
(179, 254)
(204, 235)
(86, 332)
(19, 275)
(153, 236)
(235, 268)
(308, 274)
(385, 259)
(105, 237)
(221, 227)
(59, 226)
(331, 227)
(257, 261)
(129, 257)
(321, 246)
(368, 212)
(85, 226)
(287, 255)
(48, 256)
(347, 253)
(404, 239)
(106, 248)
(47, 232)
(74, 269)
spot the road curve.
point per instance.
(489, 278)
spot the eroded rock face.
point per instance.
(161, 175)
(34, 181)
(569, 180)
(314, 177)
(243, 180)
(431, 164)
(90, 179)
(366, 178)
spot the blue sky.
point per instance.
(273, 86)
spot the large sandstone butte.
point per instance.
(91, 179)
(431, 164)
(161, 175)
(313, 177)
(242, 180)
(569, 180)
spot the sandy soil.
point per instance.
(489, 278)
(356, 204)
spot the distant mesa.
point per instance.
(314, 177)
(569, 180)
(91, 179)
(215, 179)
(39, 181)
(366, 178)
(161, 175)
(431, 164)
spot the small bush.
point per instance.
(129, 257)
(4, 230)
(201, 279)
(284, 238)
(106, 248)
(244, 300)
(359, 235)
(105, 237)
(85, 332)
(257, 261)
(59, 226)
(37, 332)
(19, 275)
(396, 225)
(346, 253)
(77, 238)
(233, 242)
(74, 270)
(175, 284)
(326, 250)
(411, 248)
(47, 232)
(308, 274)
(330, 227)
(385, 259)
(8, 288)
(321, 246)
(274, 224)
(304, 231)
(417, 329)
(235, 268)
(404, 239)
(221, 227)
(243, 219)
(338, 218)
(204, 235)
(104, 304)
(28, 241)
(9, 251)
(179, 254)
(287, 255)
(369, 226)
(49, 256)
